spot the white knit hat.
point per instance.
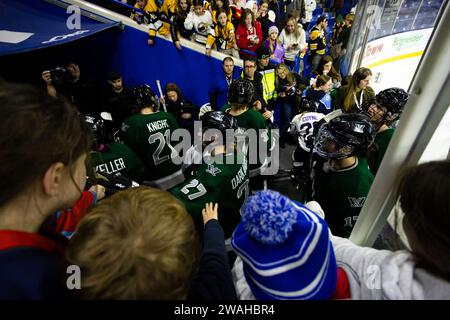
(273, 29)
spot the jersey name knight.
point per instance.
(157, 125)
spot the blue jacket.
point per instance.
(218, 95)
(31, 266)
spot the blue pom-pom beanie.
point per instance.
(285, 249)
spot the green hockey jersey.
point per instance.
(252, 119)
(342, 194)
(118, 159)
(225, 183)
(149, 137)
(380, 146)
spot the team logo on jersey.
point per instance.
(356, 202)
(213, 170)
(359, 127)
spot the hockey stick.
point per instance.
(158, 83)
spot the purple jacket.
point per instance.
(278, 52)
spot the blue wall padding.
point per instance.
(127, 52)
(193, 72)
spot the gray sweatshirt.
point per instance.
(385, 275)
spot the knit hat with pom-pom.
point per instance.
(285, 249)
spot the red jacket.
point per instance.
(243, 37)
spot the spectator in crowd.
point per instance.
(293, 39)
(217, 5)
(81, 91)
(422, 271)
(266, 18)
(117, 100)
(253, 6)
(341, 185)
(274, 6)
(352, 97)
(248, 34)
(258, 102)
(152, 250)
(274, 45)
(112, 158)
(309, 7)
(218, 96)
(146, 134)
(267, 70)
(184, 111)
(325, 67)
(221, 177)
(158, 15)
(222, 37)
(341, 35)
(44, 144)
(289, 88)
(177, 19)
(384, 110)
(291, 7)
(319, 93)
(199, 21)
(338, 25)
(294, 14)
(272, 240)
(139, 16)
(236, 7)
(318, 41)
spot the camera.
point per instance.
(289, 90)
(58, 75)
(254, 38)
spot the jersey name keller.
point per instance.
(111, 166)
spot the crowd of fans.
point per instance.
(239, 28)
(155, 222)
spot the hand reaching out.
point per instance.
(99, 190)
(267, 114)
(209, 212)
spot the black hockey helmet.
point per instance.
(343, 136)
(98, 127)
(308, 105)
(393, 99)
(144, 97)
(241, 91)
(218, 120)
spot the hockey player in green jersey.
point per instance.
(383, 111)
(222, 177)
(113, 158)
(341, 185)
(148, 135)
(240, 96)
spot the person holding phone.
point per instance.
(293, 38)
